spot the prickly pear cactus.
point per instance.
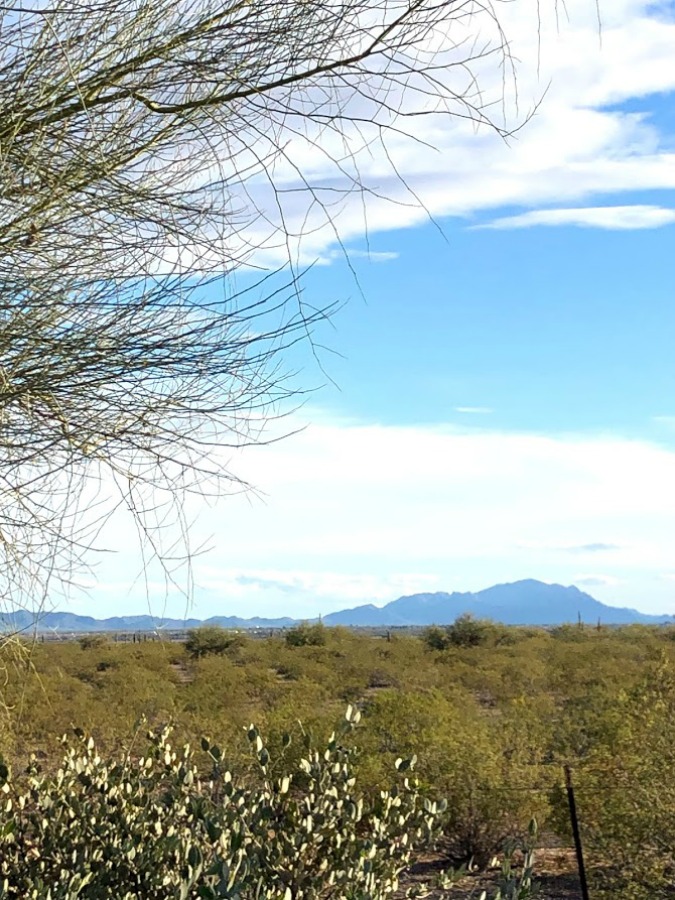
(155, 827)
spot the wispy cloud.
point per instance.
(373, 256)
(312, 586)
(617, 218)
(474, 410)
(580, 145)
(593, 547)
(588, 547)
(289, 587)
(596, 580)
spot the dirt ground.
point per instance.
(555, 873)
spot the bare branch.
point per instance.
(132, 132)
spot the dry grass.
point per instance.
(555, 872)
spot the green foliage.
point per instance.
(518, 884)
(625, 795)
(466, 631)
(306, 635)
(93, 641)
(491, 724)
(155, 827)
(569, 632)
(212, 639)
(436, 638)
(460, 758)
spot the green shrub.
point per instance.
(625, 796)
(466, 631)
(212, 639)
(572, 633)
(460, 759)
(155, 827)
(306, 635)
(436, 638)
(93, 641)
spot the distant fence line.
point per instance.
(178, 635)
(140, 637)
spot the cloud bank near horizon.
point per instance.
(358, 513)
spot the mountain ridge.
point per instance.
(525, 602)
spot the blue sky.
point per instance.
(552, 329)
(504, 397)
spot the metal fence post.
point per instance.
(575, 832)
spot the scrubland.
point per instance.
(491, 714)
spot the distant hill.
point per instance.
(21, 620)
(526, 602)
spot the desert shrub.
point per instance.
(569, 632)
(486, 721)
(105, 664)
(93, 641)
(461, 759)
(436, 638)
(210, 639)
(155, 826)
(625, 797)
(382, 678)
(306, 635)
(466, 631)
(221, 697)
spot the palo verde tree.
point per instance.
(135, 137)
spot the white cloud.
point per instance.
(373, 256)
(351, 587)
(576, 146)
(594, 547)
(474, 410)
(616, 218)
(357, 512)
(586, 580)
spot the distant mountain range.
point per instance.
(526, 602)
(69, 622)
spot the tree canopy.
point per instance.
(133, 140)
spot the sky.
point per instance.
(495, 398)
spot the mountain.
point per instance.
(64, 621)
(526, 602)
(21, 620)
(255, 622)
